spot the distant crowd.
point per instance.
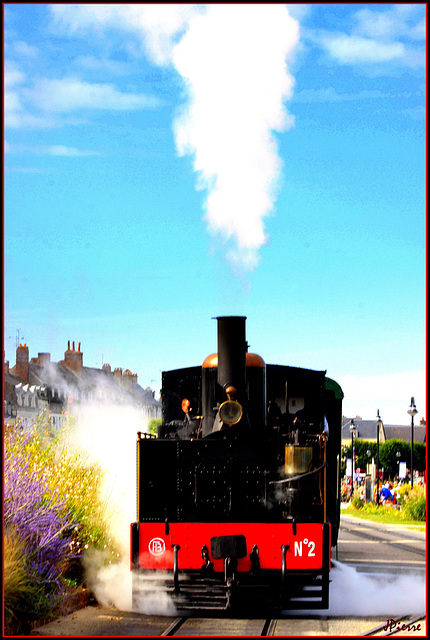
(389, 492)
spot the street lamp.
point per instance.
(412, 412)
(353, 431)
(378, 426)
(398, 454)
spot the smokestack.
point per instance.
(232, 348)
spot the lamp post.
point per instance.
(378, 426)
(412, 412)
(353, 431)
(398, 454)
(369, 472)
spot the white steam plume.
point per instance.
(233, 60)
(234, 63)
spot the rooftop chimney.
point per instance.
(73, 359)
(21, 368)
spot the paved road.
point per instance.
(381, 548)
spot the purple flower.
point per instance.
(34, 514)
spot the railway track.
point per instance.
(414, 625)
(402, 624)
(108, 621)
(268, 627)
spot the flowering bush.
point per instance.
(52, 513)
(413, 501)
(37, 520)
(405, 492)
(415, 508)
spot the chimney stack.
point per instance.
(21, 368)
(73, 359)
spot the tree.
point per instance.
(389, 459)
(419, 456)
(153, 426)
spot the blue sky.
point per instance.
(166, 164)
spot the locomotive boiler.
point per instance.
(238, 501)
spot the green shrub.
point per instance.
(415, 508)
(18, 587)
(372, 508)
(357, 502)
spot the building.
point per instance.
(367, 430)
(35, 385)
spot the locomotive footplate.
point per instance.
(247, 570)
(197, 591)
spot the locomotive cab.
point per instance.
(240, 488)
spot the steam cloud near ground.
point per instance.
(107, 435)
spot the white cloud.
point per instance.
(12, 75)
(394, 22)
(24, 50)
(15, 113)
(62, 150)
(69, 94)
(156, 25)
(52, 150)
(391, 394)
(355, 49)
(92, 63)
(329, 94)
(389, 38)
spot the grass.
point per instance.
(385, 515)
(18, 587)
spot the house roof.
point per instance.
(405, 433)
(366, 430)
(101, 384)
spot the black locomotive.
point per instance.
(238, 500)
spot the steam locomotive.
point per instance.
(238, 497)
